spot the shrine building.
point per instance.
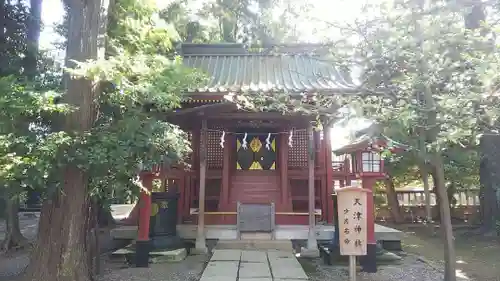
(261, 172)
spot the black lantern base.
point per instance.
(369, 262)
(142, 249)
(166, 242)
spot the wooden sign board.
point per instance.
(352, 220)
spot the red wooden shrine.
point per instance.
(260, 157)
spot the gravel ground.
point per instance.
(409, 269)
(189, 269)
(11, 266)
(14, 264)
(28, 223)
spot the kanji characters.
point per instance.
(357, 228)
(357, 201)
(357, 243)
(357, 215)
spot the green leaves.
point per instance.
(141, 81)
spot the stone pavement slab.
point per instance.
(253, 265)
(252, 270)
(273, 255)
(284, 263)
(221, 269)
(226, 255)
(288, 269)
(219, 278)
(253, 256)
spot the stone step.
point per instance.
(255, 244)
(256, 236)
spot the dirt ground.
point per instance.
(478, 257)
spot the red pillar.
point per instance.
(145, 208)
(370, 262)
(142, 244)
(368, 183)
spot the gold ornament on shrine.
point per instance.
(255, 144)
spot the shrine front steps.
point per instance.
(255, 241)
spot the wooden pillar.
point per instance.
(195, 144)
(142, 243)
(200, 244)
(226, 165)
(181, 189)
(328, 174)
(311, 241)
(369, 262)
(283, 167)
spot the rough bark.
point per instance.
(425, 181)
(489, 178)
(489, 193)
(14, 239)
(65, 245)
(3, 37)
(32, 38)
(429, 108)
(392, 201)
(104, 216)
(438, 198)
(446, 226)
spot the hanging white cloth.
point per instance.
(268, 141)
(244, 143)
(222, 139)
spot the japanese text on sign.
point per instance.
(352, 221)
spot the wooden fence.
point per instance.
(412, 204)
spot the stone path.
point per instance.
(246, 265)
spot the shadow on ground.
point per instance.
(478, 257)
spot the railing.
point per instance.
(408, 198)
(412, 202)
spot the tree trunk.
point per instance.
(446, 226)
(436, 159)
(64, 250)
(14, 239)
(32, 38)
(392, 201)
(489, 177)
(104, 216)
(437, 213)
(425, 180)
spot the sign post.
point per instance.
(352, 224)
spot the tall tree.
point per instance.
(420, 66)
(18, 28)
(489, 143)
(63, 250)
(99, 147)
(32, 38)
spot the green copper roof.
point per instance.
(268, 73)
